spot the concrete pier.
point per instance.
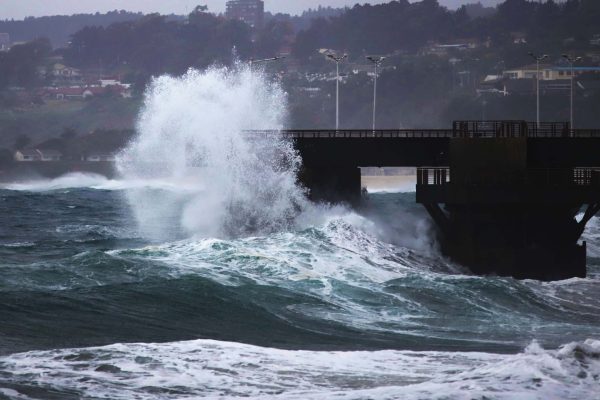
(498, 215)
(509, 198)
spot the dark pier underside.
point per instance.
(508, 197)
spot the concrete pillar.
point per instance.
(522, 241)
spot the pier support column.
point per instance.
(498, 215)
(522, 241)
(332, 184)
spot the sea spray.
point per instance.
(193, 130)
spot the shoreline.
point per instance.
(387, 183)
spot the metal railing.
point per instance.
(433, 176)
(355, 133)
(510, 129)
(532, 177)
(460, 129)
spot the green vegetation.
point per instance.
(51, 119)
(19, 66)
(59, 28)
(426, 80)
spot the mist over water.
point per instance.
(192, 131)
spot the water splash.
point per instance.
(191, 131)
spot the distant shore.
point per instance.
(396, 183)
(376, 180)
(23, 171)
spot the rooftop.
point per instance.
(578, 69)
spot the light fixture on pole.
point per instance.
(377, 61)
(537, 75)
(337, 60)
(572, 61)
(483, 104)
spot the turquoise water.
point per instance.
(343, 305)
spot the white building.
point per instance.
(30, 155)
(252, 12)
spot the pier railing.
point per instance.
(354, 133)
(433, 176)
(531, 177)
(462, 129)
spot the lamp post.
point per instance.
(376, 60)
(337, 60)
(453, 61)
(537, 75)
(572, 61)
(483, 104)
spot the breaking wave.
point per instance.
(80, 180)
(213, 369)
(194, 128)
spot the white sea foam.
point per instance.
(317, 253)
(79, 180)
(195, 127)
(212, 369)
(70, 181)
(339, 262)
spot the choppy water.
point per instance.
(341, 305)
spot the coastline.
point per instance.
(391, 184)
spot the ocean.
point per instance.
(204, 273)
(345, 308)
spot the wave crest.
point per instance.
(231, 370)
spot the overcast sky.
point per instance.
(19, 9)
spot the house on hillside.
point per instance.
(68, 93)
(444, 49)
(113, 81)
(4, 42)
(30, 155)
(62, 71)
(82, 93)
(526, 72)
(565, 71)
(27, 155)
(252, 12)
(518, 37)
(100, 157)
(548, 72)
(493, 84)
(50, 155)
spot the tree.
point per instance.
(200, 9)
(22, 141)
(6, 157)
(21, 65)
(68, 134)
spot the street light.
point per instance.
(537, 61)
(337, 60)
(483, 104)
(376, 60)
(572, 61)
(453, 61)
